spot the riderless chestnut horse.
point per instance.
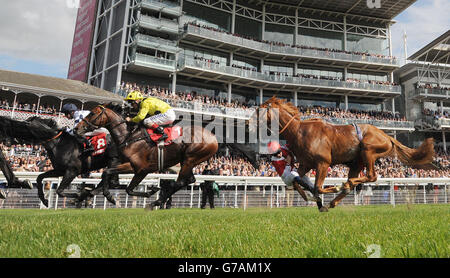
(194, 146)
(319, 145)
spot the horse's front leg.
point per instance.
(40, 178)
(69, 176)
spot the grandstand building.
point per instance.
(24, 95)
(321, 52)
(426, 90)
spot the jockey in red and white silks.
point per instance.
(283, 160)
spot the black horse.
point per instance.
(65, 153)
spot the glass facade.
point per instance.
(363, 44)
(248, 28)
(279, 33)
(206, 16)
(320, 39)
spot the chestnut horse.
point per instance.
(319, 145)
(195, 146)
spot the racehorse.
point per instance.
(194, 146)
(319, 145)
(64, 152)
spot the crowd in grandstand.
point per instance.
(28, 107)
(434, 87)
(364, 54)
(436, 114)
(312, 111)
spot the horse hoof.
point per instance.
(323, 209)
(149, 207)
(45, 202)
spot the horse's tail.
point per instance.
(422, 157)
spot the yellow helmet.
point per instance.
(134, 95)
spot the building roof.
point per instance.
(437, 51)
(58, 87)
(389, 8)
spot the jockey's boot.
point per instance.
(159, 130)
(85, 144)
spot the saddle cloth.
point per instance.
(172, 132)
(99, 142)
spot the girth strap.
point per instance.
(358, 132)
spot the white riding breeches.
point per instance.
(161, 119)
(288, 176)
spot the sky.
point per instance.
(36, 35)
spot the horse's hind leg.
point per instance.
(354, 173)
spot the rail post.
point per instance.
(424, 194)
(126, 200)
(199, 196)
(145, 199)
(236, 196)
(392, 191)
(445, 193)
(95, 201)
(245, 195)
(271, 196)
(191, 204)
(104, 203)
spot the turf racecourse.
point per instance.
(403, 231)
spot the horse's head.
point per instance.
(265, 113)
(99, 117)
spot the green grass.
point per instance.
(403, 231)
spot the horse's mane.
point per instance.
(115, 107)
(33, 130)
(288, 106)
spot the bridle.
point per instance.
(287, 124)
(93, 126)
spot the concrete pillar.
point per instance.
(442, 107)
(345, 33)
(346, 102)
(229, 92)
(233, 17)
(296, 28)
(261, 96)
(393, 105)
(295, 96)
(263, 24)
(174, 83)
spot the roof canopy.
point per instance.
(59, 87)
(438, 51)
(389, 8)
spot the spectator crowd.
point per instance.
(281, 44)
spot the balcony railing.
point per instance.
(163, 25)
(377, 123)
(152, 61)
(185, 61)
(157, 43)
(163, 6)
(286, 50)
(432, 92)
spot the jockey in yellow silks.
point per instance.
(153, 112)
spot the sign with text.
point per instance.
(81, 47)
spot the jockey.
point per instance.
(71, 111)
(283, 160)
(159, 112)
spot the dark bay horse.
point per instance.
(195, 146)
(64, 152)
(319, 145)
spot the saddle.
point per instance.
(172, 132)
